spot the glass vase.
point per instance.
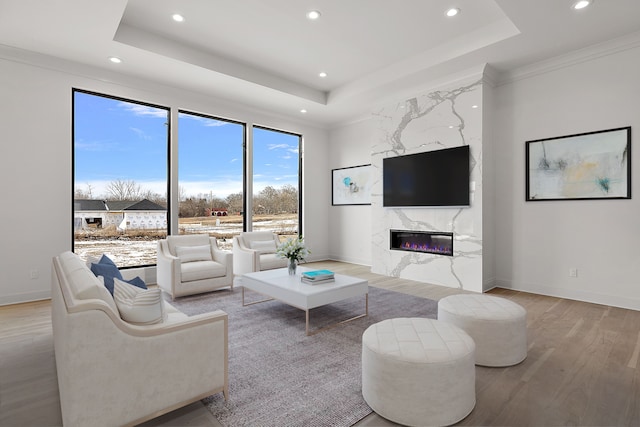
(293, 264)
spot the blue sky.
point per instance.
(120, 140)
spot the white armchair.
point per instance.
(256, 251)
(192, 264)
(115, 373)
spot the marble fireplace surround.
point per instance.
(443, 118)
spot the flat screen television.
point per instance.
(433, 178)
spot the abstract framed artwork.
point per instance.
(351, 186)
(585, 166)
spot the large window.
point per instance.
(122, 170)
(276, 177)
(120, 150)
(210, 176)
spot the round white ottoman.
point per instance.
(418, 371)
(497, 325)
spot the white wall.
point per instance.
(350, 226)
(538, 242)
(489, 188)
(534, 244)
(36, 147)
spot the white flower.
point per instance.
(294, 249)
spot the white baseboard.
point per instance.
(488, 284)
(350, 260)
(25, 297)
(573, 294)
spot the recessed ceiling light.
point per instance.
(452, 12)
(303, 111)
(313, 15)
(474, 106)
(450, 127)
(323, 74)
(581, 4)
(115, 59)
(177, 17)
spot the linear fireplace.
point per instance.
(430, 242)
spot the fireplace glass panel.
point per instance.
(430, 242)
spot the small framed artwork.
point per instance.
(351, 186)
(585, 166)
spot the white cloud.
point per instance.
(204, 120)
(220, 189)
(141, 134)
(93, 146)
(143, 110)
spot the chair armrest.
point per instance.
(223, 257)
(169, 328)
(91, 349)
(149, 330)
(167, 268)
(245, 260)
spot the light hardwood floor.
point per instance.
(581, 369)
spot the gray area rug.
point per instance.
(278, 376)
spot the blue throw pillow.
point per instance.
(107, 271)
(106, 260)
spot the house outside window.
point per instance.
(120, 151)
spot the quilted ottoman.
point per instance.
(418, 371)
(498, 326)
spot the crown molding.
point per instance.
(490, 76)
(590, 53)
(239, 111)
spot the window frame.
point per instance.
(300, 139)
(75, 90)
(172, 175)
(245, 126)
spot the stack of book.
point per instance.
(316, 277)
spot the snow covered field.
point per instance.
(135, 252)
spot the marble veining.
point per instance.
(430, 121)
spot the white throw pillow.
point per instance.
(263, 246)
(137, 305)
(194, 253)
(92, 260)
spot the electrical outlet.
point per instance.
(34, 273)
(573, 272)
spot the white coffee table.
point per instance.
(279, 285)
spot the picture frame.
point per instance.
(584, 166)
(351, 185)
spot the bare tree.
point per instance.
(182, 193)
(234, 203)
(154, 197)
(266, 201)
(81, 194)
(124, 190)
(288, 199)
(89, 191)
